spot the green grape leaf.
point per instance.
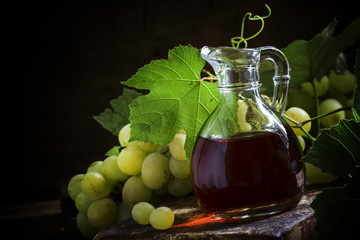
(337, 211)
(117, 117)
(178, 98)
(114, 151)
(336, 151)
(316, 57)
(324, 48)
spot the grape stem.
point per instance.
(324, 115)
(208, 73)
(300, 125)
(164, 150)
(209, 79)
(317, 104)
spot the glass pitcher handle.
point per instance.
(281, 77)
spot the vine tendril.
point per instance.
(236, 41)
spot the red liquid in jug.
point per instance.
(261, 170)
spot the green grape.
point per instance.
(83, 202)
(95, 186)
(162, 218)
(344, 83)
(124, 135)
(124, 212)
(85, 228)
(242, 116)
(111, 171)
(176, 146)
(321, 87)
(155, 170)
(298, 115)
(131, 159)
(180, 187)
(103, 213)
(147, 146)
(74, 186)
(135, 191)
(141, 212)
(95, 166)
(266, 66)
(315, 176)
(302, 142)
(179, 168)
(327, 106)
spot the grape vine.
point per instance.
(236, 41)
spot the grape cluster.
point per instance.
(333, 91)
(123, 186)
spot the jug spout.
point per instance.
(234, 67)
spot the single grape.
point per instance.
(241, 116)
(315, 176)
(95, 186)
(131, 159)
(124, 135)
(162, 218)
(95, 166)
(344, 83)
(266, 66)
(180, 187)
(111, 171)
(302, 142)
(176, 146)
(124, 212)
(83, 202)
(321, 86)
(179, 168)
(85, 228)
(103, 213)
(74, 186)
(141, 212)
(155, 170)
(327, 106)
(135, 191)
(147, 146)
(298, 115)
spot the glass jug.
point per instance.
(245, 161)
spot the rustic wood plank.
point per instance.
(192, 223)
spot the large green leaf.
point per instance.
(324, 48)
(337, 211)
(315, 58)
(336, 151)
(178, 98)
(117, 117)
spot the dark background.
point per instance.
(64, 61)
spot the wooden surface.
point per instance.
(192, 223)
